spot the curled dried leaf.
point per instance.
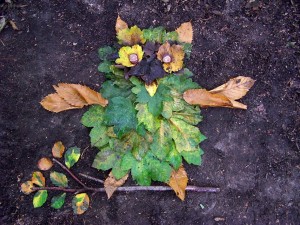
(185, 32)
(178, 182)
(58, 149)
(26, 187)
(120, 24)
(235, 88)
(45, 164)
(111, 184)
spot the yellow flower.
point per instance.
(171, 56)
(131, 36)
(130, 56)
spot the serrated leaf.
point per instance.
(167, 110)
(144, 116)
(174, 158)
(105, 159)
(185, 136)
(178, 182)
(110, 89)
(154, 34)
(98, 136)
(193, 157)
(45, 164)
(185, 32)
(58, 149)
(105, 52)
(58, 201)
(111, 184)
(140, 174)
(59, 179)
(122, 115)
(38, 178)
(120, 24)
(127, 161)
(80, 203)
(191, 115)
(117, 170)
(104, 67)
(93, 117)
(158, 171)
(40, 198)
(151, 88)
(26, 187)
(72, 155)
(131, 36)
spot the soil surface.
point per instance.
(253, 155)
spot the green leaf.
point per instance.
(80, 203)
(174, 158)
(190, 114)
(117, 170)
(140, 174)
(40, 198)
(127, 161)
(193, 157)
(187, 48)
(99, 136)
(72, 156)
(104, 67)
(110, 89)
(154, 34)
(121, 114)
(167, 110)
(58, 201)
(158, 171)
(185, 136)
(144, 116)
(93, 117)
(106, 51)
(170, 36)
(161, 144)
(105, 159)
(59, 179)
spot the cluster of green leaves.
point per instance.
(145, 135)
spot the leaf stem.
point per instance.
(91, 178)
(71, 174)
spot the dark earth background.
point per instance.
(253, 155)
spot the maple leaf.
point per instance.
(111, 184)
(131, 36)
(185, 32)
(178, 182)
(120, 24)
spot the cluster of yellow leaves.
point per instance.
(111, 184)
(222, 96)
(72, 96)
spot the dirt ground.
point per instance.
(253, 155)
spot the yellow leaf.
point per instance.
(235, 88)
(151, 88)
(131, 36)
(38, 179)
(55, 103)
(80, 203)
(120, 24)
(26, 187)
(58, 149)
(126, 52)
(206, 99)
(111, 184)
(185, 32)
(45, 164)
(178, 182)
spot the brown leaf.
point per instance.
(38, 178)
(120, 24)
(185, 32)
(26, 187)
(111, 184)
(235, 88)
(178, 182)
(58, 149)
(206, 99)
(45, 164)
(13, 25)
(54, 103)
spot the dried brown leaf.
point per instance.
(58, 149)
(70, 95)
(120, 24)
(178, 182)
(55, 103)
(45, 164)
(185, 32)
(13, 25)
(111, 184)
(204, 98)
(26, 187)
(235, 88)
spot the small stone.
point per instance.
(133, 58)
(167, 59)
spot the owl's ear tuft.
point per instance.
(185, 32)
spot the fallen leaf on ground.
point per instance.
(235, 88)
(80, 203)
(120, 24)
(185, 32)
(55, 103)
(13, 25)
(38, 178)
(45, 164)
(58, 149)
(178, 182)
(111, 184)
(26, 187)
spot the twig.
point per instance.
(72, 175)
(91, 178)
